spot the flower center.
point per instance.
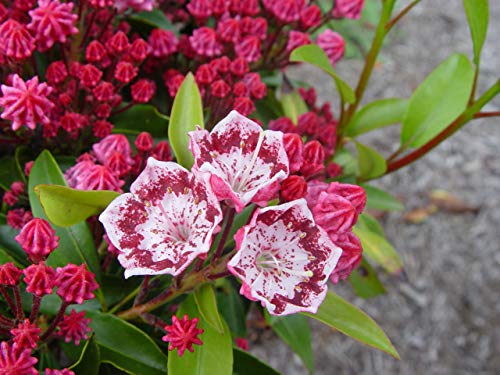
(267, 261)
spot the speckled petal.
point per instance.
(166, 221)
(284, 259)
(244, 158)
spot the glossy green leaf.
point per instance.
(293, 105)
(125, 346)
(378, 199)
(375, 245)
(141, 118)
(156, 19)
(231, 307)
(90, 359)
(204, 297)
(478, 16)
(439, 100)
(11, 246)
(294, 331)
(346, 159)
(376, 115)
(215, 356)
(370, 163)
(65, 206)
(8, 172)
(76, 244)
(351, 321)
(313, 54)
(247, 364)
(365, 281)
(187, 113)
(5, 257)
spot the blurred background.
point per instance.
(443, 314)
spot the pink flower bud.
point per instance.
(219, 89)
(40, 279)
(314, 157)
(229, 30)
(139, 50)
(162, 152)
(103, 110)
(200, 9)
(27, 167)
(74, 327)
(243, 105)
(239, 67)
(15, 40)
(89, 76)
(240, 89)
(104, 91)
(56, 73)
(310, 16)
(38, 239)
(102, 128)
(293, 147)
(75, 284)
(297, 39)
(182, 334)
(17, 187)
(248, 48)
(26, 334)
(294, 187)
(333, 44)
(308, 123)
(283, 124)
(144, 142)
(205, 74)
(254, 26)
(334, 213)
(9, 274)
(205, 42)
(163, 43)
(95, 52)
(118, 43)
(125, 72)
(351, 255)
(353, 193)
(17, 360)
(18, 217)
(9, 198)
(221, 64)
(348, 8)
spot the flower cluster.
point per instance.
(285, 254)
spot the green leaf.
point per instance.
(231, 307)
(155, 18)
(204, 297)
(294, 331)
(293, 105)
(439, 100)
(8, 172)
(187, 112)
(5, 257)
(125, 346)
(478, 16)
(351, 321)
(141, 118)
(247, 364)
(365, 281)
(375, 244)
(215, 356)
(65, 206)
(90, 359)
(371, 164)
(11, 247)
(378, 199)
(376, 115)
(76, 244)
(349, 163)
(313, 54)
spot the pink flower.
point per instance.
(40, 279)
(144, 142)
(248, 48)
(74, 327)
(240, 158)
(182, 334)
(52, 22)
(294, 187)
(352, 253)
(38, 239)
(26, 103)
(333, 44)
(18, 217)
(75, 284)
(16, 360)
(26, 334)
(163, 42)
(348, 8)
(284, 259)
(164, 223)
(205, 42)
(143, 90)
(9, 274)
(200, 9)
(297, 39)
(86, 175)
(111, 144)
(15, 40)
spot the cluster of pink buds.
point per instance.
(111, 162)
(73, 284)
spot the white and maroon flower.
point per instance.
(166, 221)
(284, 259)
(240, 158)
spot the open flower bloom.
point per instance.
(284, 259)
(240, 158)
(164, 223)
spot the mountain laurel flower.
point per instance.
(38, 239)
(240, 158)
(182, 334)
(294, 187)
(297, 39)
(74, 327)
(136, 5)
(26, 334)
(243, 105)
(352, 253)
(163, 43)
(75, 284)
(16, 360)
(111, 144)
(26, 103)
(18, 217)
(164, 223)
(143, 90)
(205, 42)
(9, 274)
(348, 8)
(284, 259)
(52, 22)
(40, 279)
(248, 48)
(16, 41)
(333, 44)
